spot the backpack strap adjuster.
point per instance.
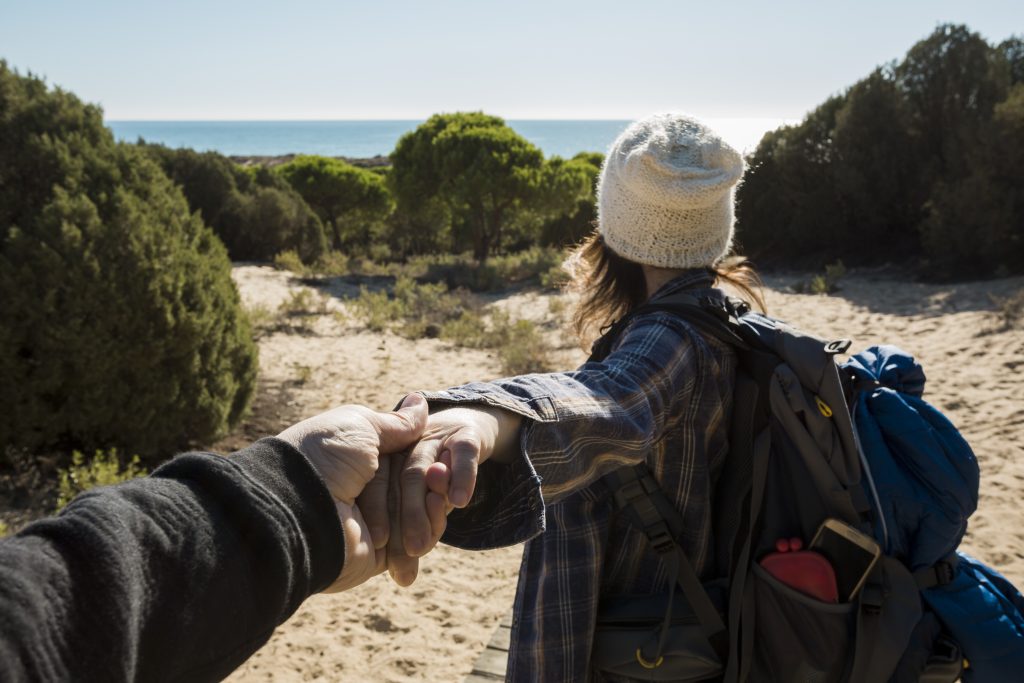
(871, 599)
(660, 538)
(941, 573)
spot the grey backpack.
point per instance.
(793, 462)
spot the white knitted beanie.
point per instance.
(665, 196)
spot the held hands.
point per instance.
(438, 475)
(346, 445)
(392, 501)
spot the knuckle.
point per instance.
(413, 476)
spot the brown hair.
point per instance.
(610, 286)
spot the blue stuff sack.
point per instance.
(923, 479)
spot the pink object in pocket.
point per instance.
(804, 570)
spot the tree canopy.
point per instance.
(353, 202)
(469, 179)
(911, 164)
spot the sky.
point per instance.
(401, 59)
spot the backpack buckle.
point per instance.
(945, 572)
(941, 573)
(660, 538)
(837, 346)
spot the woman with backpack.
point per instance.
(544, 442)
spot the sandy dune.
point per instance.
(433, 630)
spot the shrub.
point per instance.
(253, 211)
(257, 226)
(289, 260)
(1010, 309)
(520, 346)
(261, 319)
(429, 310)
(468, 330)
(823, 284)
(122, 325)
(375, 308)
(303, 373)
(102, 469)
(536, 265)
(335, 263)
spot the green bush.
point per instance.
(289, 260)
(522, 349)
(254, 212)
(102, 469)
(122, 326)
(259, 225)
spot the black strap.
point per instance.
(939, 574)
(741, 593)
(637, 493)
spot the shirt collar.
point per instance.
(696, 278)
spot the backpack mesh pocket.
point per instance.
(799, 638)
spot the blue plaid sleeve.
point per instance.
(580, 426)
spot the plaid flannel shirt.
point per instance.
(663, 395)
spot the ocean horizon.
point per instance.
(370, 138)
(354, 139)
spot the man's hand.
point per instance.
(346, 445)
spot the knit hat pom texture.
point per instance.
(665, 195)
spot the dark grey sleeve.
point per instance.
(178, 576)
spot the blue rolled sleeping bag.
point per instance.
(982, 611)
(926, 478)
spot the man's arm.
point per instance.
(182, 575)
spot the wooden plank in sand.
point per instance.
(490, 665)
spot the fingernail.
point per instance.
(411, 399)
(415, 545)
(460, 498)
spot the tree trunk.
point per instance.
(481, 237)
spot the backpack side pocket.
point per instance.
(799, 638)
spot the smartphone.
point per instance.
(851, 553)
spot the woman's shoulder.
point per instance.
(659, 327)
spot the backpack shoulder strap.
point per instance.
(638, 494)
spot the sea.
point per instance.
(354, 139)
(365, 139)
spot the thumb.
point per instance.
(402, 428)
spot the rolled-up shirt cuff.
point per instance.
(507, 506)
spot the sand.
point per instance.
(434, 630)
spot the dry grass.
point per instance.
(537, 266)
(415, 311)
(1010, 310)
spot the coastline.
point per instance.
(379, 161)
